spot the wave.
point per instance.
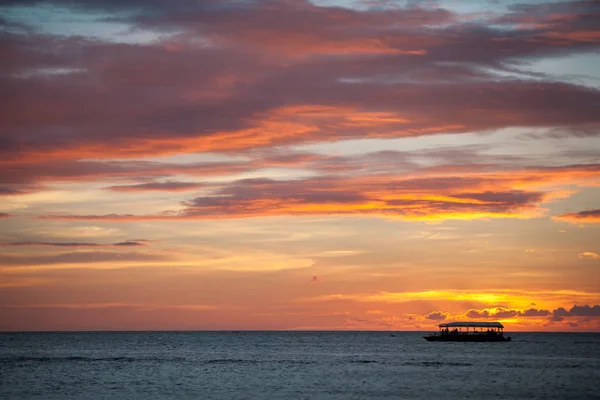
(83, 359)
(437, 364)
(534, 365)
(242, 361)
(126, 359)
(231, 361)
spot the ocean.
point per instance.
(295, 365)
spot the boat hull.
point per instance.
(466, 338)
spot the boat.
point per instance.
(469, 332)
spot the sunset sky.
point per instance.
(296, 164)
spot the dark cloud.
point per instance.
(478, 314)
(532, 312)
(585, 311)
(504, 313)
(5, 215)
(559, 314)
(507, 313)
(437, 316)
(512, 197)
(7, 191)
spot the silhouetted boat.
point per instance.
(460, 332)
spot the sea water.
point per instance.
(296, 365)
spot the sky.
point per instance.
(299, 165)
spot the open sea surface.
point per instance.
(296, 365)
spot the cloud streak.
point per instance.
(582, 217)
(158, 186)
(439, 196)
(130, 243)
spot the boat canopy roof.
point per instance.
(472, 324)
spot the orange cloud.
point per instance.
(436, 196)
(589, 254)
(582, 217)
(494, 303)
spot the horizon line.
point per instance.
(256, 331)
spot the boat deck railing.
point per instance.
(470, 333)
